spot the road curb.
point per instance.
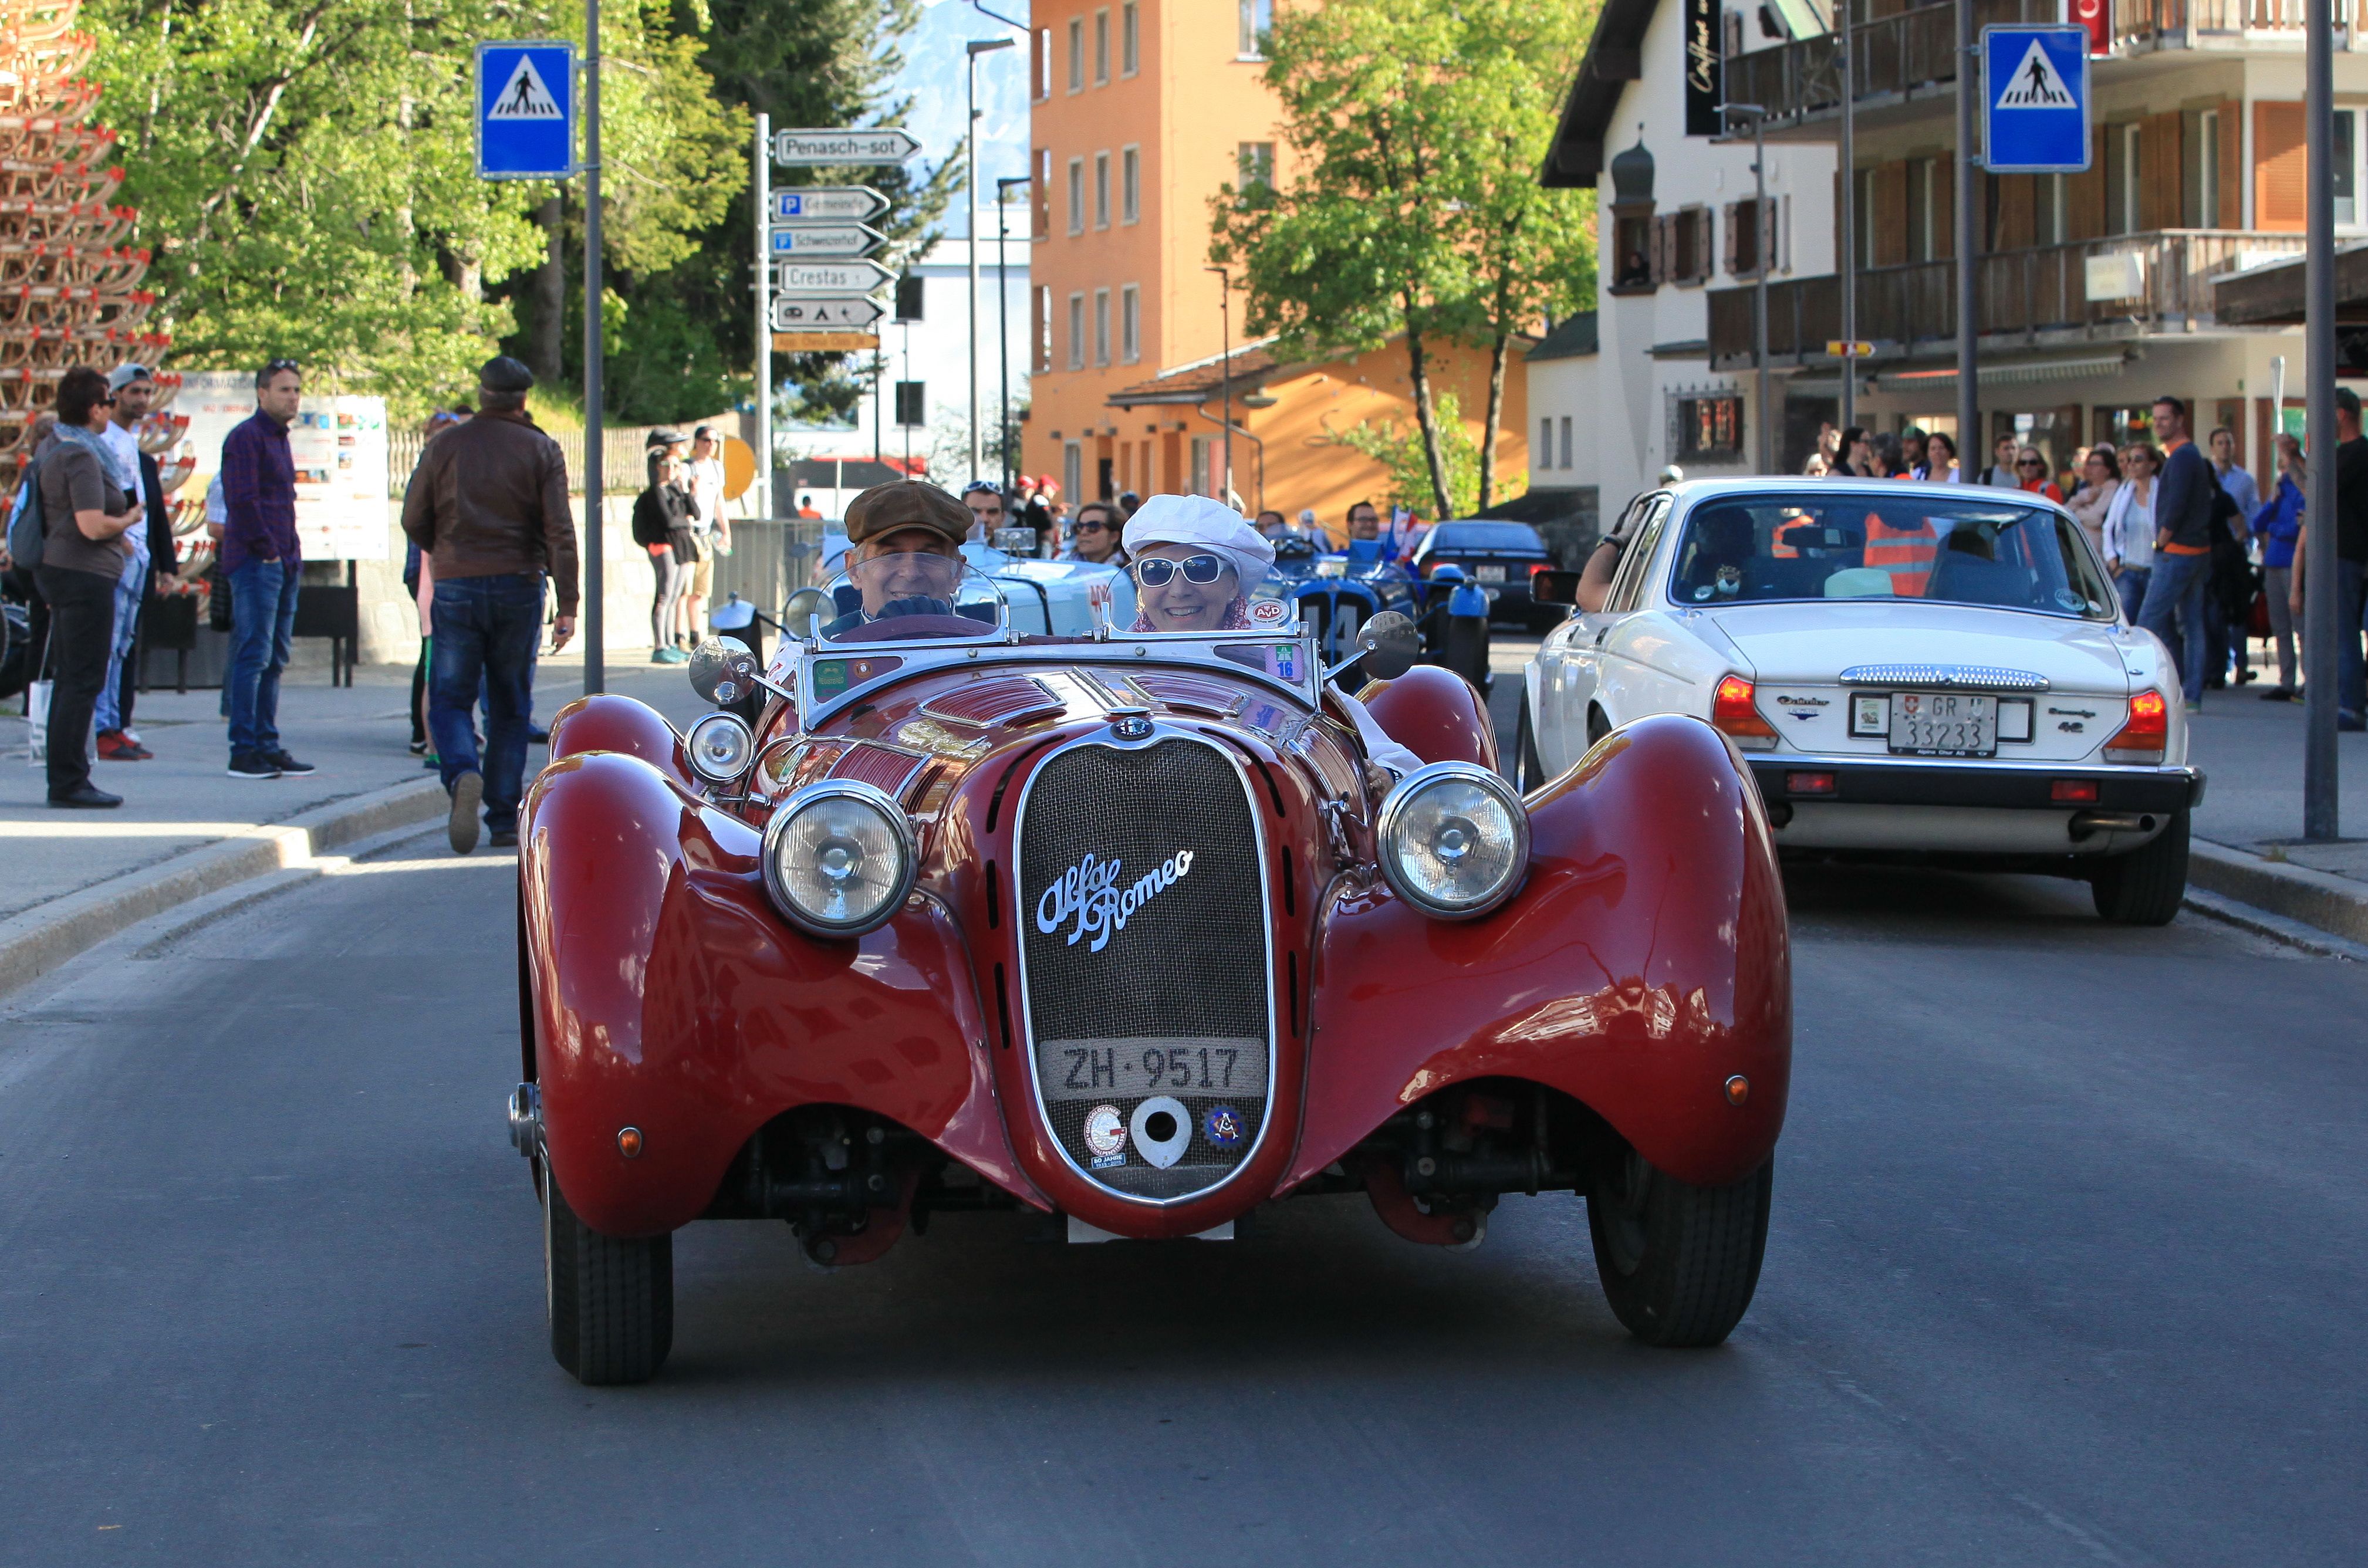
(2337, 905)
(42, 939)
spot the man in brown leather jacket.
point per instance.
(488, 502)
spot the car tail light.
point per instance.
(1734, 713)
(2073, 791)
(2146, 736)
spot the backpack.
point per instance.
(28, 528)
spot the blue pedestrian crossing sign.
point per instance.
(526, 110)
(2035, 100)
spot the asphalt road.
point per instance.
(2066, 1268)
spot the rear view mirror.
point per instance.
(1553, 587)
(721, 670)
(1391, 645)
(805, 607)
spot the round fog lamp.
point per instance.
(1454, 840)
(721, 747)
(839, 857)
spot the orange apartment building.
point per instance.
(1141, 110)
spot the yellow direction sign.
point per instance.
(823, 342)
(739, 468)
(1836, 348)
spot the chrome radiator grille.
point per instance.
(1142, 903)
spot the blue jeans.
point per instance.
(131, 589)
(2174, 607)
(486, 629)
(263, 620)
(2349, 684)
(2130, 582)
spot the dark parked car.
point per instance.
(1499, 557)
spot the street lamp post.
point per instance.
(2322, 606)
(1849, 160)
(1225, 369)
(1969, 392)
(971, 50)
(1003, 325)
(596, 622)
(1759, 118)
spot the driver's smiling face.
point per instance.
(906, 564)
(1179, 604)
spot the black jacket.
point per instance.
(664, 514)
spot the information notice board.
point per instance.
(340, 448)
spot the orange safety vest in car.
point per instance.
(1906, 554)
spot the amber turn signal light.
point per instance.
(1739, 1089)
(1735, 712)
(628, 1142)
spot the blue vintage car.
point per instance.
(1339, 591)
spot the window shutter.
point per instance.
(2231, 172)
(1664, 243)
(1768, 257)
(1728, 258)
(2280, 167)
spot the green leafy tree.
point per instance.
(1403, 453)
(1416, 127)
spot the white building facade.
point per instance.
(1616, 400)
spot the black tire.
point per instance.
(611, 1300)
(1679, 1263)
(1529, 771)
(1598, 725)
(2146, 886)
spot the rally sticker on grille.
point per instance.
(1089, 894)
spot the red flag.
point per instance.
(2098, 17)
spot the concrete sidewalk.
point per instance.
(187, 829)
(2249, 846)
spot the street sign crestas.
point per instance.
(2035, 106)
(829, 277)
(526, 110)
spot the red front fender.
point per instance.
(669, 997)
(1644, 964)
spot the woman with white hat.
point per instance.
(1195, 563)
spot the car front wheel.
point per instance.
(610, 1299)
(2146, 886)
(1529, 771)
(1679, 1263)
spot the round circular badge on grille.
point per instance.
(1163, 1128)
(1221, 1125)
(1105, 1130)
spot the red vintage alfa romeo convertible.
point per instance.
(931, 915)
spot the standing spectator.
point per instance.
(260, 557)
(1856, 454)
(1889, 459)
(146, 576)
(663, 516)
(488, 506)
(2183, 544)
(1128, 504)
(2031, 473)
(2350, 559)
(1365, 521)
(1816, 467)
(1270, 524)
(2279, 522)
(2228, 614)
(2099, 482)
(1095, 536)
(87, 507)
(705, 482)
(1911, 453)
(1036, 510)
(1829, 444)
(2001, 474)
(2129, 529)
(1940, 459)
(806, 509)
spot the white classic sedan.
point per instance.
(1925, 672)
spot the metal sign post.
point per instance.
(2322, 606)
(596, 621)
(764, 205)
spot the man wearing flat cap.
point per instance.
(904, 556)
(488, 502)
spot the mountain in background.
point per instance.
(932, 78)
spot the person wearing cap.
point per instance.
(488, 503)
(704, 477)
(904, 540)
(145, 575)
(264, 564)
(985, 499)
(1195, 563)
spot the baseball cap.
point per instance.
(124, 375)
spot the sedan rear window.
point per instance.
(1486, 536)
(1970, 551)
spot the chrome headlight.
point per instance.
(721, 747)
(839, 857)
(1454, 840)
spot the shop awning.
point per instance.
(2004, 373)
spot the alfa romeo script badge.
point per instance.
(1088, 894)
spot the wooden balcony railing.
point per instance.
(2021, 294)
(1914, 50)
